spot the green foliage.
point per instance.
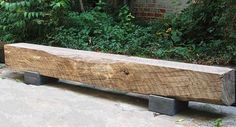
(24, 20)
(71, 38)
(218, 123)
(173, 37)
(98, 31)
(126, 18)
(201, 33)
(212, 18)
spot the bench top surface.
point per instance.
(110, 58)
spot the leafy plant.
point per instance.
(218, 123)
(126, 18)
(202, 33)
(97, 30)
(24, 20)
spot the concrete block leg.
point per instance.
(235, 97)
(235, 89)
(35, 78)
(167, 106)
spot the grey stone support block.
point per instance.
(35, 78)
(235, 97)
(167, 106)
(235, 87)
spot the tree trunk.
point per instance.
(81, 5)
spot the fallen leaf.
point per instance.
(180, 120)
(17, 80)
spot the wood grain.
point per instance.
(128, 74)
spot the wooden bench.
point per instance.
(182, 81)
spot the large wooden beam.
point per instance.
(124, 73)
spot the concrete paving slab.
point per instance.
(66, 105)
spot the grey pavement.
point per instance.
(68, 105)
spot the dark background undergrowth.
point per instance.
(201, 33)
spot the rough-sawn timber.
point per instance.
(125, 73)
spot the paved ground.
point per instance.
(65, 105)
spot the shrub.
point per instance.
(202, 33)
(97, 30)
(23, 20)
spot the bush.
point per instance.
(95, 30)
(23, 20)
(202, 33)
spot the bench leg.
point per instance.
(235, 90)
(235, 96)
(167, 106)
(35, 78)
